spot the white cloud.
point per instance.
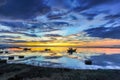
(2, 27)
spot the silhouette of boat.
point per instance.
(4, 51)
(26, 49)
(47, 49)
(71, 51)
(11, 58)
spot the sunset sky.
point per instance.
(59, 23)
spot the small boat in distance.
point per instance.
(71, 51)
(4, 51)
(26, 49)
(47, 49)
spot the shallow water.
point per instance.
(102, 58)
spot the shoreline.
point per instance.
(27, 72)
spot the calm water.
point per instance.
(79, 50)
(102, 58)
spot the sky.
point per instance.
(59, 22)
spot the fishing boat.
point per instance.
(4, 51)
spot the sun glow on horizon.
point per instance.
(106, 42)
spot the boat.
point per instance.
(71, 51)
(4, 51)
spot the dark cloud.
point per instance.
(6, 45)
(12, 41)
(90, 16)
(41, 27)
(9, 37)
(16, 26)
(82, 4)
(103, 32)
(53, 35)
(109, 17)
(95, 8)
(86, 4)
(30, 35)
(55, 15)
(2, 2)
(23, 9)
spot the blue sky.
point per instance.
(46, 20)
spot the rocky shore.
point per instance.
(26, 72)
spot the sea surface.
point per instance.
(57, 57)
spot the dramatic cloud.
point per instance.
(59, 20)
(23, 9)
(112, 32)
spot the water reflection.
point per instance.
(64, 49)
(102, 58)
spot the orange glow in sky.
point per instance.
(104, 42)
